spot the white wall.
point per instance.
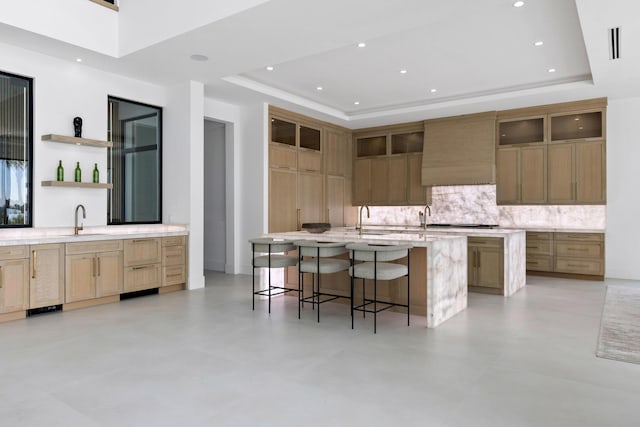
(78, 22)
(183, 177)
(623, 196)
(63, 90)
(215, 247)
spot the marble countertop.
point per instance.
(35, 236)
(559, 230)
(373, 237)
(434, 232)
(478, 231)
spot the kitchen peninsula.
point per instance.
(439, 265)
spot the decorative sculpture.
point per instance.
(77, 127)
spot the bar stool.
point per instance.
(319, 261)
(375, 266)
(275, 258)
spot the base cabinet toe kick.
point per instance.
(67, 276)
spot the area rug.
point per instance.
(620, 325)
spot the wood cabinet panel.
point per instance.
(14, 281)
(580, 249)
(142, 277)
(417, 194)
(109, 274)
(310, 197)
(540, 263)
(337, 153)
(533, 174)
(508, 175)
(539, 247)
(14, 252)
(580, 266)
(397, 182)
(362, 182)
(560, 173)
(93, 247)
(142, 251)
(80, 277)
(490, 271)
(336, 200)
(283, 157)
(46, 286)
(174, 241)
(590, 172)
(283, 190)
(174, 275)
(309, 161)
(379, 181)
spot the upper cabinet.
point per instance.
(553, 154)
(459, 150)
(387, 166)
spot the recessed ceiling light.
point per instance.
(518, 4)
(551, 70)
(78, 59)
(576, 118)
(199, 58)
(433, 90)
(538, 43)
(319, 88)
(269, 68)
(362, 44)
(356, 103)
(403, 71)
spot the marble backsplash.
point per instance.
(476, 204)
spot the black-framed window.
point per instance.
(16, 150)
(134, 166)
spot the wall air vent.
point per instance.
(614, 43)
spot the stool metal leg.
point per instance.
(269, 279)
(300, 293)
(253, 277)
(408, 284)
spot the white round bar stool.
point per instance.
(317, 258)
(375, 265)
(275, 257)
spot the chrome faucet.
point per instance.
(359, 228)
(76, 229)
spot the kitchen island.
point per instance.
(439, 264)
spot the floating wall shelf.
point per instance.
(76, 141)
(75, 184)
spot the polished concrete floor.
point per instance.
(203, 358)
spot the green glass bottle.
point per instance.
(60, 172)
(96, 174)
(78, 173)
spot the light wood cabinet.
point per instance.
(569, 254)
(572, 170)
(577, 172)
(460, 150)
(93, 270)
(485, 264)
(14, 279)
(174, 258)
(388, 166)
(46, 285)
(310, 197)
(283, 204)
(521, 175)
(142, 264)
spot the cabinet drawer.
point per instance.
(580, 266)
(539, 247)
(174, 241)
(173, 255)
(583, 237)
(579, 249)
(142, 251)
(539, 235)
(543, 263)
(142, 277)
(14, 252)
(485, 242)
(174, 275)
(93, 247)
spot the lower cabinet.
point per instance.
(566, 253)
(46, 285)
(142, 264)
(93, 270)
(485, 260)
(174, 258)
(14, 279)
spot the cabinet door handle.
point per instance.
(142, 267)
(34, 254)
(141, 240)
(298, 226)
(1, 277)
(98, 264)
(479, 260)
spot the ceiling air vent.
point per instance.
(614, 43)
